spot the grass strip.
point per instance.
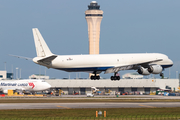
(159, 113)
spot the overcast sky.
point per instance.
(128, 26)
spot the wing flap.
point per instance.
(130, 67)
(116, 69)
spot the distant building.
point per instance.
(5, 75)
(38, 76)
(132, 76)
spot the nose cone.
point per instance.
(47, 86)
(171, 62)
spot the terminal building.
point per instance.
(83, 86)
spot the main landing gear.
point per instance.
(95, 77)
(162, 75)
(115, 77)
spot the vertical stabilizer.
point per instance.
(42, 49)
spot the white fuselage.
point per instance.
(28, 84)
(102, 62)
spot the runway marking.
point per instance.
(147, 106)
(64, 107)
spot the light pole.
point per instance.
(17, 73)
(45, 71)
(69, 75)
(20, 73)
(177, 74)
(5, 66)
(12, 73)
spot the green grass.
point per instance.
(88, 114)
(112, 113)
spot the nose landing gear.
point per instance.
(162, 75)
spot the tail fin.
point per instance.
(42, 49)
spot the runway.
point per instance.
(5, 106)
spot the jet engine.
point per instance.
(155, 69)
(143, 71)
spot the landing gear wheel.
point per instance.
(118, 77)
(112, 77)
(161, 74)
(115, 77)
(95, 77)
(92, 77)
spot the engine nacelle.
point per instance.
(143, 71)
(155, 69)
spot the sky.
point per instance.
(128, 26)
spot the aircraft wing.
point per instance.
(130, 67)
(47, 60)
(21, 57)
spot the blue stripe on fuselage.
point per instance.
(96, 68)
(166, 66)
(85, 69)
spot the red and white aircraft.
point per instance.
(24, 85)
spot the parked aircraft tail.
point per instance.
(42, 49)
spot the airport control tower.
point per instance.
(94, 16)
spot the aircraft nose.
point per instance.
(170, 62)
(48, 86)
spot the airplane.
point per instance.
(24, 85)
(144, 63)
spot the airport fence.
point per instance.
(120, 117)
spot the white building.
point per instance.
(83, 86)
(38, 76)
(3, 75)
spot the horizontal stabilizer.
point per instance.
(47, 60)
(21, 57)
